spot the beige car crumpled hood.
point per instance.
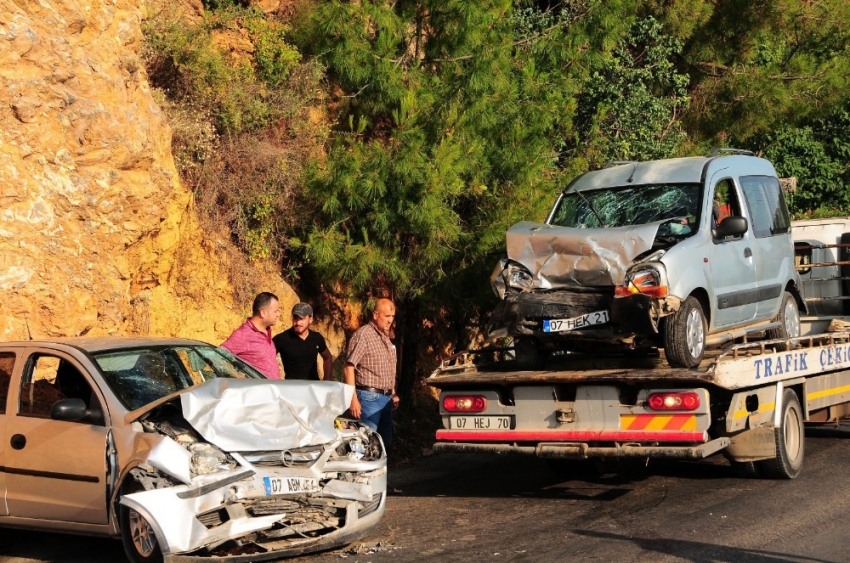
(562, 257)
(246, 415)
(242, 415)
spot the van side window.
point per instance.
(725, 202)
(49, 379)
(766, 205)
(7, 364)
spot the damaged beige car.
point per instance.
(182, 450)
(680, 254)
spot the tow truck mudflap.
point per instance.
(583, 451)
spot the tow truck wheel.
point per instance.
(684, 335)
(788, 318)
(790, 441)
(138, 537)
(528, 354)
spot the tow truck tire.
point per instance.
(528, 354)
(138, 537)
(790, 441)
(684, 335)
(789, 319)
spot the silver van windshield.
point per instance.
(632, 205)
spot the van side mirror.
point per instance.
(732, 227)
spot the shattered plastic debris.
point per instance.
(368, 549)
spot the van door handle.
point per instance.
(748, 253)
(18, 441)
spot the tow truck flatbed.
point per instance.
(739, 366)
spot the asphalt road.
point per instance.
(491, 508)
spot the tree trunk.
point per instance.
(408, 323)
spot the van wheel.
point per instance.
(138, 537)
(528, 354)
(790, 441)
(789, 320)
(684, 335)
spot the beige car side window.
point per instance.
(50, 379)
(7, 364)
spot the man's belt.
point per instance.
(387, 392)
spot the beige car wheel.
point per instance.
(138, 537)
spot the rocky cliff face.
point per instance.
(97, 236)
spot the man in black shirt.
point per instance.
(298, 347)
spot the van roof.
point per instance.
(688, 170)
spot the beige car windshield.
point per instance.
(139, 376)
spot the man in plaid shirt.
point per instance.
(371, 368)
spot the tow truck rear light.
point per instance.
(688, 401)
(464, 403)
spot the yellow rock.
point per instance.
(97, 236)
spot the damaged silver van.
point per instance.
(182, 450)
(680, 254)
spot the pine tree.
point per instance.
(450, 114)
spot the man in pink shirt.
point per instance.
(253, 340)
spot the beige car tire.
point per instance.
(138, 537)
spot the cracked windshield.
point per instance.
(141, 376)
(638, 205)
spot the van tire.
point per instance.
(790, 441)
(788, 319)
(685, 334)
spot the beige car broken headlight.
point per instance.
(207, 459)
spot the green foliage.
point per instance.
(818, 155)
(755, 66)
(453, 119)
(229, 63)
(238, 99)
(274, 58)
(258, 217)
(452, 111)
(630, 107)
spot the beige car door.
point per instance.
(7, 367)
(55, 470)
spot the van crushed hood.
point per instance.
(563, 257)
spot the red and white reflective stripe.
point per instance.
(570, 435)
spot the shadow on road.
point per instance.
(25, 546)
(702, 552)
(494, 476)
(837, 431)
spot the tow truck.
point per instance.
(749, 401)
